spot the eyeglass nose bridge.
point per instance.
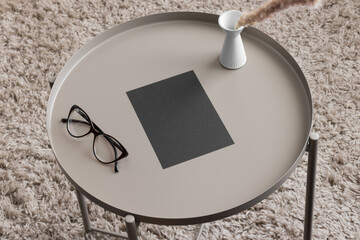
(95, 129)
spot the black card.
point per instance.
(179, 119)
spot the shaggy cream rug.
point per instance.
(38, 202)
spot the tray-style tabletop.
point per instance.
(261, 113)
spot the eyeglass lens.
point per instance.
(78, 125)
(105, 148)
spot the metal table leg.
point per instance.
(87, 224)
(310, 184)
(84, 211)
(131, 227)
(198, 237)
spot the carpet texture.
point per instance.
(38, 37)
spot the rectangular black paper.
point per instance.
(179, 119)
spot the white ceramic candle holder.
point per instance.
(233, 53)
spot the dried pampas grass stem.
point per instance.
(269, 8)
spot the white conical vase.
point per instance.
(233, 53)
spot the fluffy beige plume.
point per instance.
(269, 8)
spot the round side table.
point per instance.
(204, 142)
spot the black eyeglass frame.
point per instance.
(97, 131)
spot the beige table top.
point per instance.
(265, 106)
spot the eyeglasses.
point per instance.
(106, 148)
